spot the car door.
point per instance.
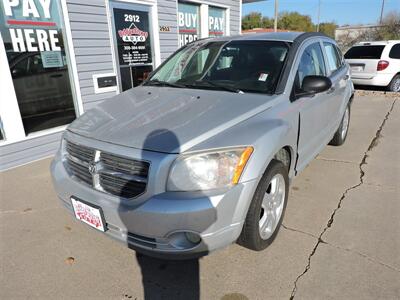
(339, 74)
(314, 111)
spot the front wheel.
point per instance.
(341, 133)
(267, 208)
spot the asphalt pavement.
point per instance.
(340, 238)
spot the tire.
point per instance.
(394, 85)
(341, 133)
(252, 236)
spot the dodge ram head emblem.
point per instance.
(92, 168)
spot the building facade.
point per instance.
(59, 58)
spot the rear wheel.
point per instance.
(394, 85)
(266, 209)
(340, 135)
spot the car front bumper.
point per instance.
(156, 225)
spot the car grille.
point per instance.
(109, 173)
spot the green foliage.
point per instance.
(295, 22)
(292, 21)
(256, 20)
(328, 28)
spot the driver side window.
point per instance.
(311, 63)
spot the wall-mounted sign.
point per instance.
(104, 83)
(52, 59)
(133, 37)
(165, 29)
(29, 25)
(216, 21)
(188, 22)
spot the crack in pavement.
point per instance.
(342, 248)
(299, 231)
(372, 144)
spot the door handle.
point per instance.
(345, 77)
(56, 75)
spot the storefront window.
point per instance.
(188, 22)
(216, 21)
(33, 37)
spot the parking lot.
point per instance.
(340, 238)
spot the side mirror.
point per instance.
(315, 84)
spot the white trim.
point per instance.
(228, 21)
(73, 67)
(97, 89)
(113, 50)
(9, 109)
(240, 16)
(36, 134)
(204, 19)
(156, 35)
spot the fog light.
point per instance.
(193, 237)
(184, 239)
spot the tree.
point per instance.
(390, 29)
(252, 20)
(295, 22)
(328, 28)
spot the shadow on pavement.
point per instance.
(169, 279)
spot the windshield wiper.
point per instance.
(209, 83)
(163, 83)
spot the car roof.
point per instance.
(268, 36)
(377, 43)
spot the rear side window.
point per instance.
(365, 52)
(395, 51)
(334, 60)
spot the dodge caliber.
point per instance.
(201, 155)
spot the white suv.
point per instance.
(375, 63)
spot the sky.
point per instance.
(351, 12)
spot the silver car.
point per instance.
(202, 154)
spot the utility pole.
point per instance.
(319, 13)
(383, 6)
(276, 16)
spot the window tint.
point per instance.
(395, 51)
(334, 61)
(364, 52)
(311, 63)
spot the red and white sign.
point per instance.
(88, 214)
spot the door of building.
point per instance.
(133, 42)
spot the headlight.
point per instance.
(208, 170)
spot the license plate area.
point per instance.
(357, 68)
(88, 213)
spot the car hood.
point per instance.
(164, 119)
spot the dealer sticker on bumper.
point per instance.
(88, 213)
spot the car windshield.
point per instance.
(236, 66)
